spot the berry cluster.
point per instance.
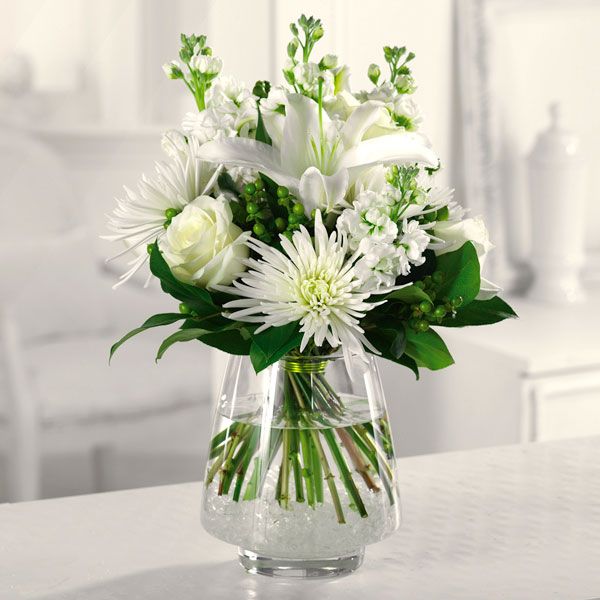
(430, 312)
(267, 213)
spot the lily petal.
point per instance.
(364, 117)
(244, 152)
(301, 126)
(324, 192)
(395, 148)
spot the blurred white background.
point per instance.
(83, 101)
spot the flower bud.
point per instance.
(329, 61)
(374, 73)
(292, 48)
(173, 70)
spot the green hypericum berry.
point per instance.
(251, 208)
(439, 312)
(280, 223)
(150, 248)
(184, 309)
(293, 219)
(171, 212)
(438, 276)
(259, 184)
(425, 306)
(427, 280)
(298, 210)
(167, 223)
(282, 192)
(456, 302)
(419, 284)
(259, 229)
(250, 189)
(422, 325)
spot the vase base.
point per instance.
(304, 568)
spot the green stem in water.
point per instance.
(296, 466)
(329, 476)
(307, 472)
(345, 474)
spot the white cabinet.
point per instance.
(527, 379)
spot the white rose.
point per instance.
(203, 246)
(456, 233)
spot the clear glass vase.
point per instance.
(301, 472)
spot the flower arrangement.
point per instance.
(301, 220)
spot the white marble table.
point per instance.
(510, 523)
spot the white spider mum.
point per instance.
(314, 284)
(139, 218)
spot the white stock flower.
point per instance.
(139, 217)
(313, 284)
(203, 246)
(307, 75)
(209, 125)
(414, 240)
(230, 97)
(368, 219)
(209, 65)
(405, 106)
(315, 160)
(455, 233)
(379, 266)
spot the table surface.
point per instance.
(510, 523)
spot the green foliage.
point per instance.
(428, 349)
(409, 295)
(155, 321)
(272, 344)
(481, 312)
(181, 335)
(262, 135)
(462, 273)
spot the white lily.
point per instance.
(316, 160)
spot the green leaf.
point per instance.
(462, 272)
(171, 285)
(232, 341)
(272, 344)
(428, 349)
(390, 342)
(155, 321)
(409, 362)
(409, 295)
(181, 335)
(262, 135)
(481, 312)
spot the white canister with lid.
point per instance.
(557, 185)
